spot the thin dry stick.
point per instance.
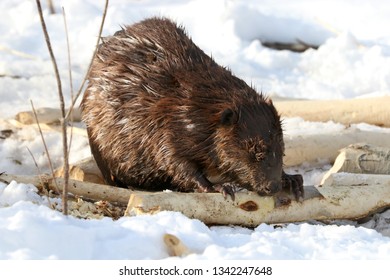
(90, 63)
(70, 76)
(40, 179)
(62, 106)
(17, 53)
(36, 164)
(45, 146)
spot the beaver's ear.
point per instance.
(229, 117)
(269, 101)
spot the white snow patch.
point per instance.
(352, 61)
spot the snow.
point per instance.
(352, 61)
(31, 230)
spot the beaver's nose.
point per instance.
(271, 188)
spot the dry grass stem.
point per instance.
(41, 179)
(70, 76)
(44, 144)
(62, 106)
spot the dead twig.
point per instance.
(62, 106)
(17, 53)
(45, 191)
(70, 76)
(44, 145)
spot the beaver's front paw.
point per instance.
(293, 184)
(227, 189)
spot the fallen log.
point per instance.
(298, 149)
(47, 127)
(85, 190)
(368, 110)
(342, 196)
(85, 170)
(365, 110)
(311, 148)
(362, 158)
(46, 115)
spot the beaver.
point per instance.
(161, 114)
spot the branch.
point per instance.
(44, 145)
(62, 106)
(70, 75)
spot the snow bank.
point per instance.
(353, 60)
(33, 231)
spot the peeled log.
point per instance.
(298, 149)
(362, 158)
(310, 148)
(368, 110)
(46, 115)
(46, 127)
(365, 110)
(85, 190)
(342, 196)
(85, 170)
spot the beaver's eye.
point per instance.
(258, 152)
(259, 155)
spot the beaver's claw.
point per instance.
(227, 189)
(293, 184)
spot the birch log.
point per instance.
(86, 190)
(311, 148)
(45, 115)
(342, 196)
(85, 170)
(362, 158)
(298, 149)
(45, 127)
(368, 110)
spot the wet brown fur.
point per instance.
(160, 114)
